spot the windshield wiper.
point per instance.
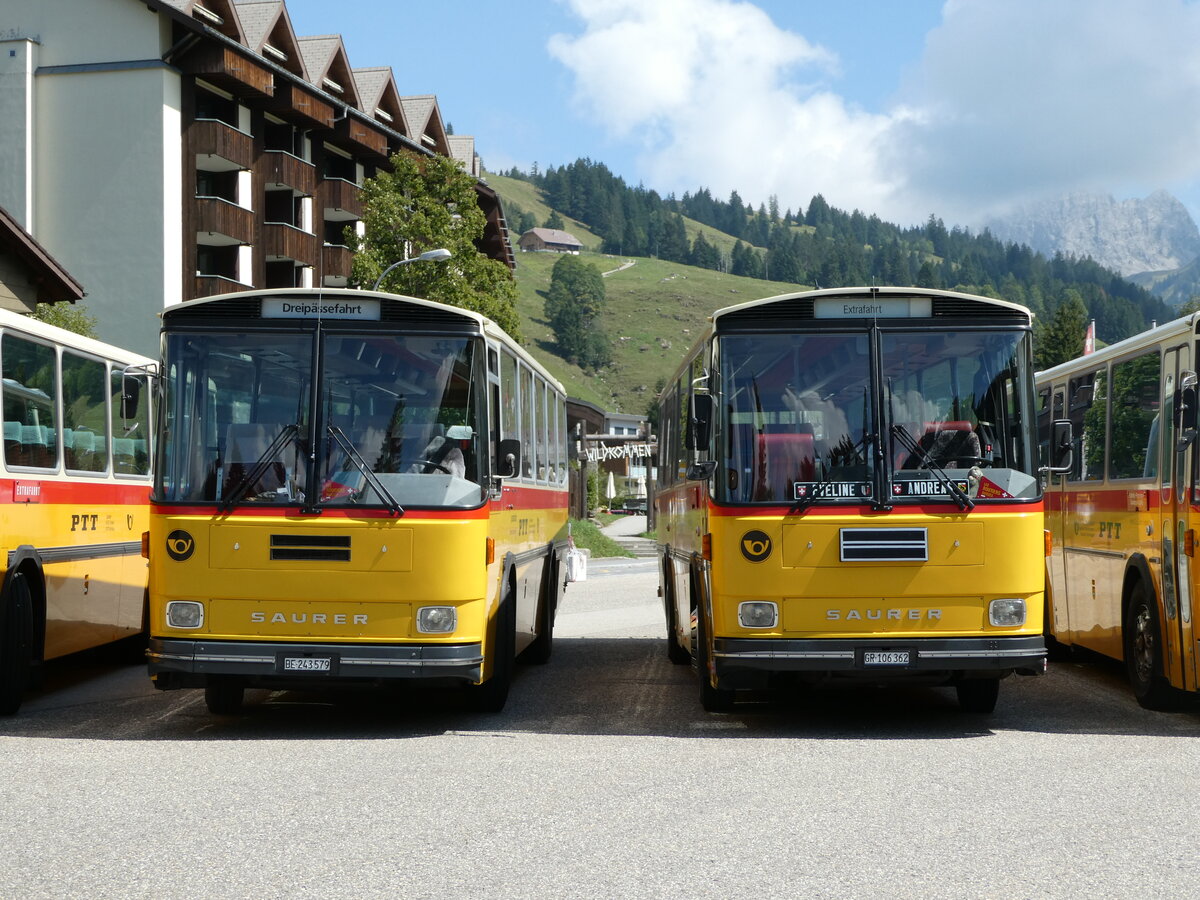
(952, 488)
(269, 457)
(361, 465)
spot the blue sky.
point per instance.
(904, 108)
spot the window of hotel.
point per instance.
(284, 137)
(283, 208)
(223, 185)
(335, 232)
(221, 261)
(339, 166)
(214, 106)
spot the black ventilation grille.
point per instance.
(884, 545)
(325, 547)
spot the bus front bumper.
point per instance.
(175, 663)
(924, 658)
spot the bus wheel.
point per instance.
(978, 695)
(16, 644)
(1143, 651)
(712, 698)
(491, 696)
(223, 696)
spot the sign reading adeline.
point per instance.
(320, 308)
(872, 308)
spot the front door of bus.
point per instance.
(1179, 658)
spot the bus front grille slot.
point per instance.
(884, 545)
(323, 547)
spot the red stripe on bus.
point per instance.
(327, 512)
(868, 512)
(35, 490)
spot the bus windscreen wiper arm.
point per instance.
(361, 465)
(911, 445)
(269, 456)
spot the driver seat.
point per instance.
(946, 443)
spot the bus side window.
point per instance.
(85, 418)
(30, 388)
(1088, 412)
(131, 436)
(1135, 389)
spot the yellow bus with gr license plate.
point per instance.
(849, 490)
(356, 488)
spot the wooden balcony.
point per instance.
(211, 285)
(339, 194)
(218, 217)
(279, 240)
(209, 137)
(335, 261)
(280, 167)
(363, 137)
(227, 68)
(301, 107)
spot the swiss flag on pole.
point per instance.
(1089, 338)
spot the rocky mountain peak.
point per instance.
(1130, 236)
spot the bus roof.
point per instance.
(486, 325)
(54, 334)
(871, 292)
(1148, 338)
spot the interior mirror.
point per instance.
(700, 432)
(508, 458)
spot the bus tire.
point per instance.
(16, 644)
(491, 695)
(712, 697)
(223, 696)
(978, 695)
(1143, 651)
(676, 652)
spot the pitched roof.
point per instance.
(269, 33)
(377, 91)
(327, 66)
(554, 236)
(54, 283)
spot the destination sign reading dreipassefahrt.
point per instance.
(320, 308)
(872, 307)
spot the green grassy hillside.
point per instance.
(655, 311)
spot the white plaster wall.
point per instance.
(18, 58)
(107, 158)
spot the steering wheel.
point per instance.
(424, 462)
(942, 460)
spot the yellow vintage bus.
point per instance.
(354, 488)
(1120, 579)
(849, 489)
(76, 483)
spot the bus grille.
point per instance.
(326, 547)
(884, 545)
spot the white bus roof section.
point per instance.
(1152, 337)
(489, 328)
(55, 335)
(866, 292)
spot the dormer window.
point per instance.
(332, 85)
(207, 14)
(275, 52)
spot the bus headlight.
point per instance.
(437, 619)
(1006, 612)
(185, 614)
(758, 614)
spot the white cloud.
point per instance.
(1012, 99)
(1022, 98)
(709, 89)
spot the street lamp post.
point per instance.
(427, 256)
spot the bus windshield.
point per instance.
(830, 416)
(393, 424)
